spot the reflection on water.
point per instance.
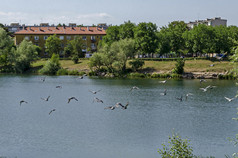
(85, 129)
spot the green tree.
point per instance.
(53, 45)
(24, 55)
(52, 65)
(179, 66)
(223, 43)
(201, 39)
(6, 49)
(126, 30)
(123, 49)
(163, 42)
(145, 38)
(96, 61)
(74, 49)
(136, 64)
(175, 32)
(112, 35)
(178, 148)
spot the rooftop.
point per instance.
(88, 30)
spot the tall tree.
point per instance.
(201, 39)
(174, 32)
(127, 30)
(53, 45)
(112, 35)
(6, 48)
(145, 38)
(25, 54)
(74, 48)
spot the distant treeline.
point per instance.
(175, 39)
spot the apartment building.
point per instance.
(217, 21)
(91, 36)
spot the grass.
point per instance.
(153, 66)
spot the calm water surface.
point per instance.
(85, 129)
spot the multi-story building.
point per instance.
(38, 35)
(209, 22)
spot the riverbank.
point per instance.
(193, 68)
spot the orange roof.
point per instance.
(62, 30)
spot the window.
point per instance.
(68, 37)
(93, 38)
(93, 45)
(27, 37)
(61, 37)
(84, 38)
(100, 37)
(36, 38)
(45, 37)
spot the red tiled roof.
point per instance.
(62, 30)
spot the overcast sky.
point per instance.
(115, 12)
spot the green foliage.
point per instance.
(25, 54)
(62, 72)
(53, 45)
(127, 30)
(96, 61)
(178, 148)
(112, 35)
(73, 72)
(234, 62)
(136, 64)
(137, 75)
(179, 66)
(52, 66)
(74, 49)
(6, 49)
(146, 39)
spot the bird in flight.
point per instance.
(110, 107)
(164, 93)
(163, 81)
(51, 111)
(134, 87)
(80, 77)
(46, 99)
(188, 94)
(180, 99)
(23, 101)
(71, 99)
(43, 79)
(122, 106)
(202, 80)
(94, 92)
(97, 100)
(58, 87)
(230, 99)
(205, 89)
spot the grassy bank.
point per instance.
(162, 67)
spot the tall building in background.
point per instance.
(217, 21)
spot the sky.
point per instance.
(88, 12)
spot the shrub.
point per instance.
(178, 147)
(52, 66)
(137, 75)
(136, 64)
(179, 66)
(75, 59)
(73, 72)
(62, 72)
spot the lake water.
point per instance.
(85, 129)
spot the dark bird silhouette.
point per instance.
(71, 99)
(94, 92)
(180, 99)
(164, 93)
(23, 101)
(122, 106)
(46, 99)
(51, 111)
(134, 87)
(58, 87)
(110, 107)
(97, 100)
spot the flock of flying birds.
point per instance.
(120, 105)
(117, 105)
